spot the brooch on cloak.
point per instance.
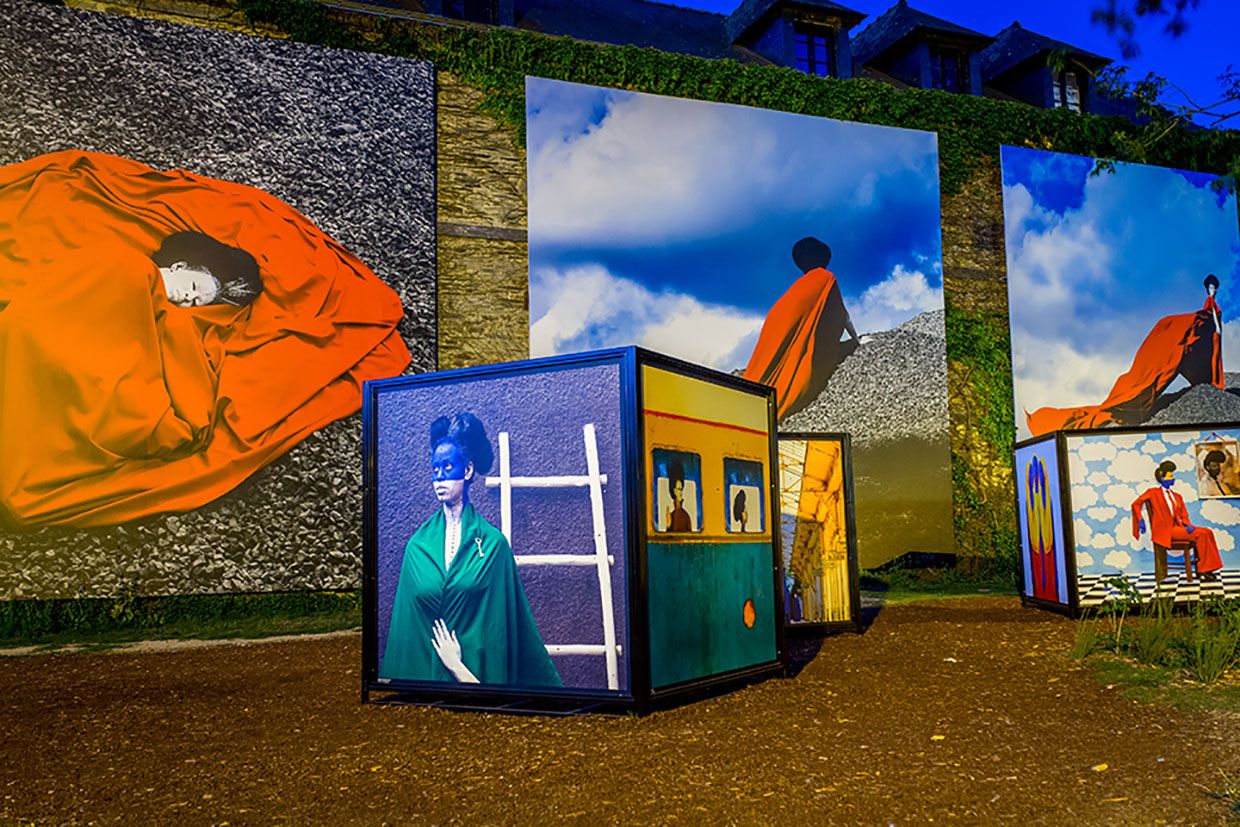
(478, 543)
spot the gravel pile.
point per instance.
(892, 387)
(1200, 403)
(346, 138)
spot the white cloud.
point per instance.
(1124, 539)
(1117, 559)
(1181, 437)
(1226, 540)
(1091, 451)
(588, 307)
(894, 300)
(1126, 440)
(1153, 446)
(1077, 469)
(1132, 466)
(1102, 541)
(1102, 512)
(1120, 496)
(1219, 513)
(1082, 532)
(1083, 559)
(1098, 479)
(1083, 496)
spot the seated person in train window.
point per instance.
(739, 515)
(678, 518)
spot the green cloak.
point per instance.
(479, 597)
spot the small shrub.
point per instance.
(1150, 640)
(1213, 647)
(1086, 641)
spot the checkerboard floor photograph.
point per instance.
(1096, 589)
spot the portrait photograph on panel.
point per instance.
(500, 530)
(211, 242)
(1121, 285)
(710, 578)
(801, 252)
(813, 522)
(1040, 514)
(1137, 514)
(1218, 468)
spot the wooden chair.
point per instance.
(1189, 562)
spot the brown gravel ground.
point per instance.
(956, 710)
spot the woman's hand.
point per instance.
(449, 650)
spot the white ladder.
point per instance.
(600, 559)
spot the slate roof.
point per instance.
(900, 21)
(751, 12)
(1016, 44)
(635, 22)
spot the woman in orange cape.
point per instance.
(118, 397)
(1187, 344)
(799, 346)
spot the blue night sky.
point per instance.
(1193, 61)
(652, 216)
(1094, 261)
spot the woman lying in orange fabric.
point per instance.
(164, 335)
(799, 346)
(1187, 344)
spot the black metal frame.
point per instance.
(850, 527)
(639, 696)
(1073, 608)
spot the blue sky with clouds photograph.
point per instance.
(669, 223)
(1095, 260)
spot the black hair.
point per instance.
(809, 253)
(1211, 280)
(675, 473)
(1165, 467)
(234, 268)
(1215, 456)
(738, 505)
(466, 432)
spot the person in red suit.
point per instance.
(1169, 521)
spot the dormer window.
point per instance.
(815, 49)
(949, 69)
(1066, 89)
(476, 11)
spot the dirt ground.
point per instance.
(959, 710)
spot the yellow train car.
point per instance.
(712, 567)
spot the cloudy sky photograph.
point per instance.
(669, 223)
(1094, 261)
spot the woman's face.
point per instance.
(450, 471)
(189, 286)
(678, 492)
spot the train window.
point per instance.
(742, 484)
(677, 491)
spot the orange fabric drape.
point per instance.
(116, 404)
(1186, 344)
(799, 346)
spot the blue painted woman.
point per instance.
(460, 612)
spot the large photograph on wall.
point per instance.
(500, 531)
(1039, 510)
(1121, 286)
(1137, 514)
(710, 553)
(796, 251)
(210, 242)
(819, 553)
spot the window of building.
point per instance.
(949, 69)
(477, 11)
(815, 49)
(743, 500)
(1067, 90)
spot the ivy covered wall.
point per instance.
(481, 198)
